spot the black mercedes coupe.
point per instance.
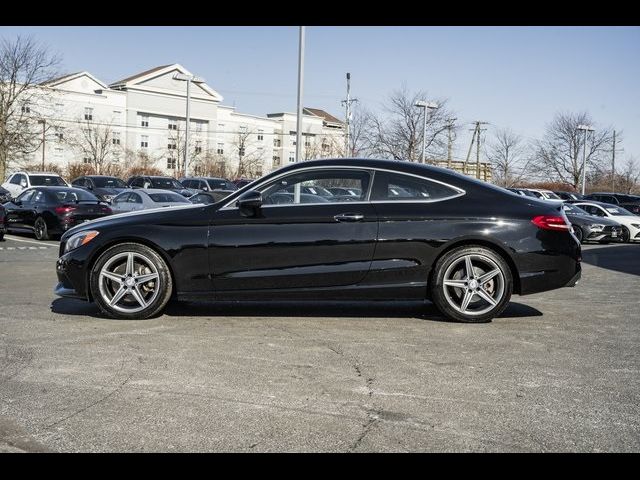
(461, 243)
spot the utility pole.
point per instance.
(347, 104)
(466, 161)
(44, 128)
(300, 82)
(480, 130)
(476, 131)
(189, 79)
(586, 128)
(450, 123)
(426, 106)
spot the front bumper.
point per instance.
(65, 291)
(71, 276)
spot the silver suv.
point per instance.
(19, 181)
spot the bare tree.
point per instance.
(250, 157)
(177, 144)
(508, 154)
(360, 128)
(24, 65)
(630, 176)
(398, 132)
(211, 164)
(97, 143)
(560, 150)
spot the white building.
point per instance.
(144, 117)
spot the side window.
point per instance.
(137, 182)
(187, 183)
(78, 182)
(135, 198)
(15, 179)
(389, 186)
(313, 187)
(26, 196)
(40, 197)
(121, 198)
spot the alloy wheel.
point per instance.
(129, 282)
(473, 284)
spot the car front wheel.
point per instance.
(471, 284)
(130, 281)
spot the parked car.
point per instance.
(145, 199)
(630, 222)
(207, 198)
(50, 211)
(523, 192)
(162, 183)
(340, 191)
(5, 195)
(543, 194)
(208, 184)
(3, 228)
(568, 195)
(491, 245)
(102, 186)
(20, 181)
(241, 182)
(590, 228)
(628, 202)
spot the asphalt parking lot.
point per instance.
(558, 371)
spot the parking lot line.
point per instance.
(11, 237)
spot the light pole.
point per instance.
(44, 128)
(300, 85)
(425, 105)
(187, 78)
(586, 128)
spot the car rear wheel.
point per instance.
(40, 229)
(131, 281)
(577, 231)
(471, 284)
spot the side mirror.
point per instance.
(249, 203)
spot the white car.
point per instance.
(630, 222)
(19, 181)
(544, 194)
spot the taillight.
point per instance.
(64, 209)
(551, 222)
(107, 210)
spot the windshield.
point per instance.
(169, 183)
(572, 209)
(168, 198)
(618, 211)
(551, 195)
(46, 180)
(108, 182)
(75, 194)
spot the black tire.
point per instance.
(164, 282)
(1, 236)
(485, 256)
(40, 229)
(577, 231)
(626, 235)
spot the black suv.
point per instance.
(208, 184)
(164, 183)
(630, 202)
(102, 186)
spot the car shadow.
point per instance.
(300, 309)
(623, 258)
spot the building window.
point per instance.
(171, 163)
(243, 129)
(292, 136)
(173, 124)
(144, 121)
(86, 160)
(292, 157)
(221, 128)
(116, 138)
(57, 152)
(277, 142)
(220, 150)
(260, 135)
(307, 142)
(26, 109)
(325, 146)
(241, 151)
(172, 145)
(276, 160)
(198, 127)
(198, 148)
(144, 141)
(59, 134)
(88, 113)
(117, 112)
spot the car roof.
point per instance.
(595, 202)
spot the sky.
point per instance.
(516, 77)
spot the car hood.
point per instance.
(137, 218)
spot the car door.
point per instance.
(17, 214)
(295, 245)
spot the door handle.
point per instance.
(349, 217)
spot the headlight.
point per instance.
(597, 228)
(79, 239)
